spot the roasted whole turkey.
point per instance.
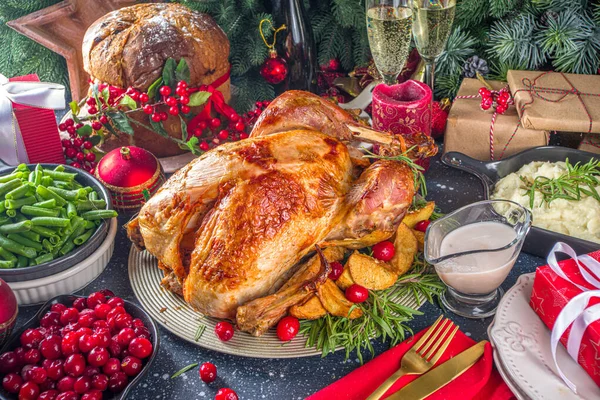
(234, 228)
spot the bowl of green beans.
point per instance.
(52, 217)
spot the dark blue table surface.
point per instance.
(280, 378)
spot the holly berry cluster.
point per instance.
(251, 116)
(78, 150)
(499, 99)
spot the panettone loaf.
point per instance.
(129, 47)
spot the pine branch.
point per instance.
(447, 85)
(348, 13)
(559, 5)
(499, 70)
(500, 8)
(471, 12)
(459, 47)
(584, 58)
(562, 33)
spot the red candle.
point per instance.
(8, 311)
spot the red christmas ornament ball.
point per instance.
(130, 173)
(439, 117)
(8, 311)
(274, 70)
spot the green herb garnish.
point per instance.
(184, 370)
(199, 332)
(579, 179)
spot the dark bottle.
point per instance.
(296, 44)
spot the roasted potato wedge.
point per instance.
(420, 239)
(335, 302)
(311, 309)
(345, 280)
(422, 214)
(406, 247)
(369, 272)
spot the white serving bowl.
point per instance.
(68, 281)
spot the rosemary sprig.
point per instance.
(383, 318)
(199, 332)
(579, 179)
(184, 370)
(417, 170)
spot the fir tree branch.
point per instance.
(459, 47)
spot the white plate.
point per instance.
(522, 342)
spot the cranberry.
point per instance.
(82, 384)
(19, 353)
(91, 371)
(38, 375)
(70, 395)
(142, 331)
(26, 372)
(47, 385)
(174, 110)
(422, 225)
(12, 383)
(114, 348)
(32, 356)
(69, 315)
(100, 382)
(204, 146)
(71, 327)
(92, 395)
(48, 395)
(184, 100)
(9, 362)
(123, 321)
(288, 328)
(182, 84)
(117, 309)
(86, 320)
(75, 365)
(208, 372)
(185, 109)
(58, 307)
(94, 299)
(102, 337)
(155, 117)
(131, 365)
(31, 338)
(46, 363)
(226, 394)
(125, 336)
(55, 371)
(70, 343)
(356, 293)
(164, 90)
(240, 126)
(100, 324)
(171, 101)
(72, 131)
(142, 348)
(51, 318)
(29, 391)
(224, 331)
(336, 270)
(180, 91)
(137, 323)
(80, 156)
(117, 382)
(51, 347)
(112, 366)
(144, 97)
(215, 122)
(98, 356)
(384, 251)
(87, 342)
(148, 109)
(80, 303)
(223, 134)
(65, 384)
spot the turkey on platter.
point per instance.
(230, 228)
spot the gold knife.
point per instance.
(440, 376)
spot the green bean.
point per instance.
(6, 264)
(59, 175)
(40, 212)
(31, 235)
(81, 239)
(18, 203)
(24, 241)
(54, 239)
(86, 205)
(47, 244)
(46, 204)
(71, 210)
(99, 214)
(68, 233)
(47, 194)
(20, 217)
(63, 185)
(89, 224)
(59, 168)
(22, 261)
(35, 177)
(22, 191)
(93, 195)
(14, 175)
(2, 207)
(17, 248)
(69, 194)
(43, 231)
(11, 213)
(22, 167)
(10, 185)
(3, 220)
(89, 189)
(69, 245)
(16, 227)
(63, 213)
(47, 181)
(50, 221)
(7, 255)
(44, 258)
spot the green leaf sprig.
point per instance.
(578, 180)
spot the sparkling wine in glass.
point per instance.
(431, 27)
(389, 24)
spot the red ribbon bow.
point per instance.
(216, 100)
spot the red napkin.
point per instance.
(479, 382)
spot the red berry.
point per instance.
(239, 126)
(135, 95)
(87, 145)
(38, 375)
(185, 109)
(90, 101)
(92, 395)
(197, 132)
(243, 136)
(80, 156)
(144, 97)
(224, 331)
(155, 117)
(100, 311)
(32, 356)
(223, 135)
(79, 303)
(70, 343)
(356, 293)
(92, 110)
(50, 347)
(208, 372)
(501, 108)
(98, 357)
(90, 157)
(226, 394)
(182, 84)
(184, 100)
(204, 146)
(422, 225)
(486, 103)
(51, 318)
(125, 336)
(181, 91)
(70, 395)
(234, 117)
(12, 383)
(95, 298)
(100, 382)
(484, 92)
(164, 116)
(87, 342)
(336, 270)
(131, 365)
(171, 101)
(112, 366)
(9, 362)
(140, 347)
(58, 307)
(75, 165)
(55, 371)
(96, 125)
(384, 251)
(117, 382)
(77, 142)
(62, 127)
(215, 122)
(288, 328)
(202, 125)
(164, 90)
(71, 130)
(69, 122)
(75, 365)
(66, 143)
(115, 311)
(29, 391)
(82, 384)
(103, 119)
(174, 110)
(49, 394)
(66, 384)
(31, 338)
(148, 109)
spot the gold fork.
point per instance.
(423, 355)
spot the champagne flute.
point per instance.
(389, 24)
(431, 28)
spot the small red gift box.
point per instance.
(550, 295)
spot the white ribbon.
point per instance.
(35, 94)
(576, 313)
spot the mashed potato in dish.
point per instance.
(580, 218)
